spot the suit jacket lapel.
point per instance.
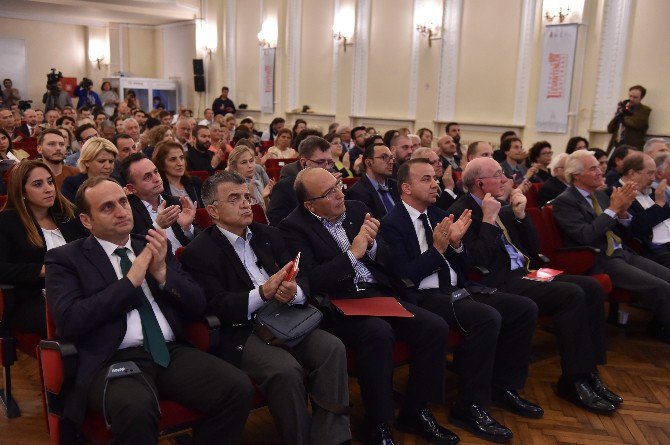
(321, 231)
(233, 259)
(139, 207)
(409, 227)
(263, 250)
(379, 205)
(581, 200)
(97, 256)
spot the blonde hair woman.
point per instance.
(96, 159)
(242, 160)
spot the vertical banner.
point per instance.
(558, 59)
(268, 81)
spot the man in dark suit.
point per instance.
(588, 217)
(314, 152)
(504, 241)
(376, 189)
(152, 207)
(120, 298)
(631, 121)
(31, 128)
(498, 328)
(447, 189)
(344, 259)
(242, 266)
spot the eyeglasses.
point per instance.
(330, 193)
(497, 175)
(238, 199)
(323, 163)
(385, 158)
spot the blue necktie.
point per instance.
(386, 197)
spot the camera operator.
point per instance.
(55, 97)
(87, 97)
(10, 95)
(631, 121)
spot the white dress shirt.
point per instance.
(134, 336)
(432, 281)
(661, 231)
(53, 238)
(169, 232)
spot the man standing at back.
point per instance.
(122, 298)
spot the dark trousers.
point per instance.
(497, 330)
(373, 338)
(647, 279)
(193, 378)
(572, 311)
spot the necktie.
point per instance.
(509, 241)
(612, 238)
(444, 273)
(154, 342)
(386, 197)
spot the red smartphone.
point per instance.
(294, 269)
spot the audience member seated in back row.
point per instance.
(152, 207)
(294, 167)
(7, 150)
(122, 298)
(36, 218)
(497, 327)
(504, 241)
(198, 155)
(126, 146)
(539, 156)
(169, 159)
(615, 164)
(96, 158)
(343, 258)
(555, 185)
(243, 162)
(514, 165)
(282, 148)
(314, 152)
(242, 267)
(447, 190)
(588, 217)
(340, 155)
(51, 145)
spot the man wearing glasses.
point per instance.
(343, 258)
(82, 134)
(242, 266)
(314, 151)
(376, 189)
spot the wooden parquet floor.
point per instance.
(638, 370)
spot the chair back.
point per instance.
(259, 214)
(544, 232)
(277, 162)
(202, 218)
(349, 182)
(531, 195)
(202, 174)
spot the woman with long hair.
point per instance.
(7, 150)
(242, 160)
(155, 136)
(35, 218)
(171, 164)
(273, 130)
(282, 148)
(340, 157)
(96, 159)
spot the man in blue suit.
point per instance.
(498, 327)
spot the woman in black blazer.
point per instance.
(35, 218)
(170, 161)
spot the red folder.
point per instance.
(371, 306)
(543, 274)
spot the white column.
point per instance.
(231, 43)
(294, 29)
(613, 42)
(414, 63)
(524, 62)
(359, 84)
(335, 65)
(448, 75)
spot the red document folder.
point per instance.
(543, 274)
(372, 306)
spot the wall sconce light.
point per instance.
(343, 27)
(566, 11)
(267, 37)
(96, 51)
(548, 16)
(427, 19)
(205, 37)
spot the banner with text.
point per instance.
(558, 59)
(268, 81)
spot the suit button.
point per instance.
(240, 347)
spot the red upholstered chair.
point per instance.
(57, 361)
(531, 195)
(29, 145)
(277, 162)
(202, 218)
(274, 173)
(3, 200)
(267, 145)
(259, 214)
(10, 341)
(202, 174)
(349, 182)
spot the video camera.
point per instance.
(86, 83)
(52, 80)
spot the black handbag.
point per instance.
(280, 324)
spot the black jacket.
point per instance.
(282, 200)
(551, 188)
(142, 221)
(365, 192)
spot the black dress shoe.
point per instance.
(602, 391)
(425, 425)
(479, 422)
(380, 434)
(510, 400)
(581, 394)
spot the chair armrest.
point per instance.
(544, 259)
(575, 260)
(204, 333)
(58, 360)
(482, 270)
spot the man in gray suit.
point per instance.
(588, 217)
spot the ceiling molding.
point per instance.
(49, 18)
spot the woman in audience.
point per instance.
(169, 159)
(298, 126)
(131, 100)
(555, 185)
(282, 148)
(601, 156)
(7, 150)
(35, 218)
(96, 159)
(576, 143)
(109, 98)
(155, 136)
(615, 165)
(540, 153)
(426, 137)
(118, 123)
(273, 130)
(69, 140)
(242, 161)
(340, 157)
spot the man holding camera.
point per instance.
(631, 121)
(87, 97)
